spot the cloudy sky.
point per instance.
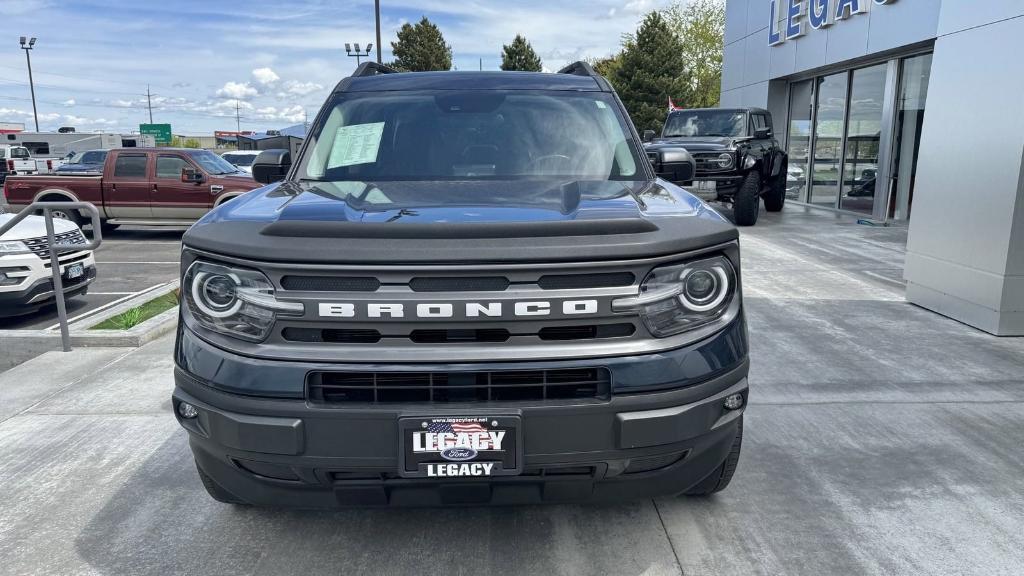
(275, 60)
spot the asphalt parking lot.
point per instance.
(880, 439)
(130, 260)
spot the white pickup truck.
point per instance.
(26, 283)
(16, 160)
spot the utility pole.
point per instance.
(149, 104)
(31, 84)
(305, 121)
(481, 64)
(376, 9)
(238, 119)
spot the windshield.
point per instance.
(471, 135)
(706, 123)
(93, 157)
(240, 159)
(212, 163)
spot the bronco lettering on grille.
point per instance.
(447, 310)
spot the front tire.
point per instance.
(746, 203)
(720, 478)
(64, 214)
(775, 197)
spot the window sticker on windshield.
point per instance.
(356, 144)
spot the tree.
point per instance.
(607, 66)
(700, 24)
(421, 48)
(650, 71)
(520, 56)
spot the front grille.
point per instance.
(39, 247)
(460, 284)
(331, 283)
(707, 162)
(455, 387)
(454, 335)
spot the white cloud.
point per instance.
(119, 103)
(237, 90)
(286, 114)
(265, 76)
(296, 88)
(69, 102)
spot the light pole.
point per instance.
(358, 54)
(376, 12)
(26, 46)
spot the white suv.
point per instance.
(26, 284)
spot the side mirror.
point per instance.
(190, 176)
(672, 163)
(271, 166)
(762, 133)
(648, 135)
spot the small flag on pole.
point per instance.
(671, 104)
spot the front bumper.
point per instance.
(35, 288)
(289, 452)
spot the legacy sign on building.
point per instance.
(787, 16)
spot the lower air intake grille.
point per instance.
(453, 387)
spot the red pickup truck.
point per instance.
(168, 186)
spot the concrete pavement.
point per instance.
(880, 439)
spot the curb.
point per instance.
(21, 345)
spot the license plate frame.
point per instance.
(418, 457)
(74, 271)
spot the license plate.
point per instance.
(706, 185)
(74, 271)
(440, 447)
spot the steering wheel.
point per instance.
(539, 159)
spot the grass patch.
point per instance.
(135, 316)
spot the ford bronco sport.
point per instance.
(469, 288)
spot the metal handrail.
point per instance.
(57, 249)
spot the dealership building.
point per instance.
(908, 112)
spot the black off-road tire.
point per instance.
(720, 478)
(775, 197)
(746, 204)
(215, 491)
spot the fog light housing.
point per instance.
(734, 401)
(187, 411)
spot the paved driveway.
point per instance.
(881, 439)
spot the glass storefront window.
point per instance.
(913, 93)
(798, 142)
(863, 137)
(828, 139)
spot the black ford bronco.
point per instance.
(738, 159)
(468, 288)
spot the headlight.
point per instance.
(725, 160)
(234, 301)
(683, 297)
(12, 247)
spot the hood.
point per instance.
(88, 167)
(241, 180)
(435, 222)
(33, 227)
(699, 143)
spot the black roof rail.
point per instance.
(579, 68)
(371, 68)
